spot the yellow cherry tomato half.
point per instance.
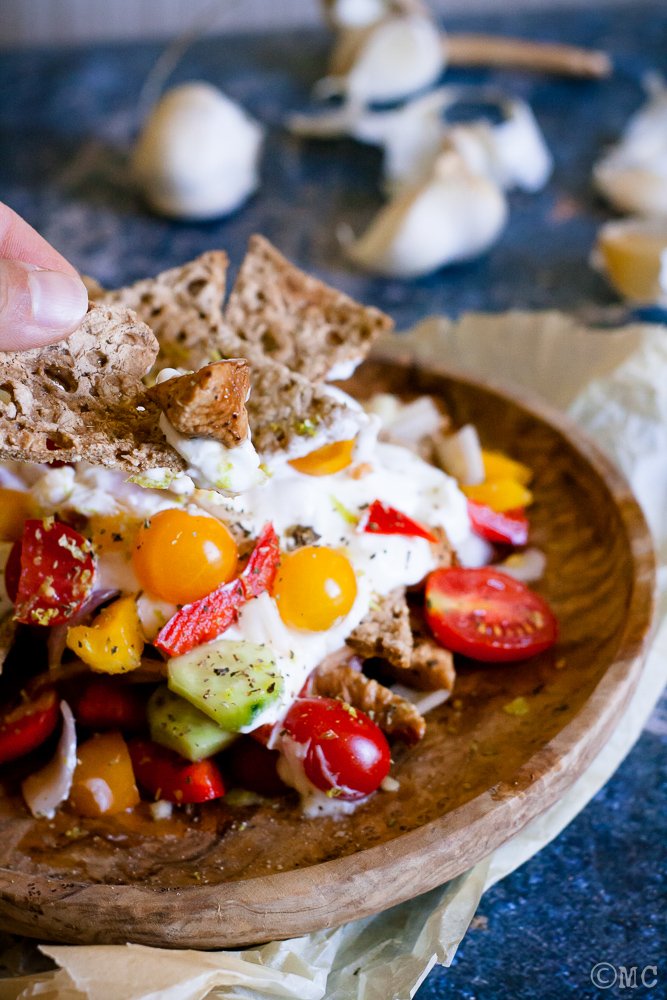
(499, 466)
(180, 557)
(315, 588)
(103, 782)
(14, 510)
(500, 494)
(325, 461)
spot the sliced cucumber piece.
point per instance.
(177, 724)
(231, 682)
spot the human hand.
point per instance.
(42, 298)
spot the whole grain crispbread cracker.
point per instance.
(293, 318)
(284, 407)
(182, 306)
(83, 398)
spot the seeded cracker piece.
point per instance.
(294, 318)
(183, 308)
(208, 403)
(394, 715)
(284, 407)
(385, 631)
(83, 399)
(431, 667)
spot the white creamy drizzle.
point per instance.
(314, 802)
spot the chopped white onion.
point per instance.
(47, 788)
(526, 566)
(406, 422)
(460, 455)
(424, 701)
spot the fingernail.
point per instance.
(59, 300)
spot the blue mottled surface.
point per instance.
(598, 892)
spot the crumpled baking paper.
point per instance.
(615, 385)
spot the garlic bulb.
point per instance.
(197, 155)
(633, 175)
(454, 215)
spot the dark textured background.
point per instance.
(598, 893)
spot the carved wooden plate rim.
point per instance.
(303, 900)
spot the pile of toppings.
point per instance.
(276, 637)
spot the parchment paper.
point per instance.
(615, 385)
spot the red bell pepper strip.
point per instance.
(167, 775)
(57, 573)
(206, 619)
(386, 520)
(509, 528)
(27, 726)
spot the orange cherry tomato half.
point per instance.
(180, 557)
(487, 615)
(315, 588)
(103, 783)
(326, 460)
(27, 726)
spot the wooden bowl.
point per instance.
(249, 873)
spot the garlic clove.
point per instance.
(197, 155)
(454, 215)
(399, 57)
(633, 174)
(633, 256)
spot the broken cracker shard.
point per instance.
(83, 398)
(209, 402)
(394, 715)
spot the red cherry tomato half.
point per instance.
(167, 775)
(487, 615)
(252, 766)
(13, 572)
(57, 573)
(105, 704)
(385, 520)
(346, 754)
(27, 726)
(509, 528)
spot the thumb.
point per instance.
(38, 306)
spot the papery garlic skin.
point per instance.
(633, 175)
(453, 216)
(197, 155)
(411, 136)
(513, 153)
